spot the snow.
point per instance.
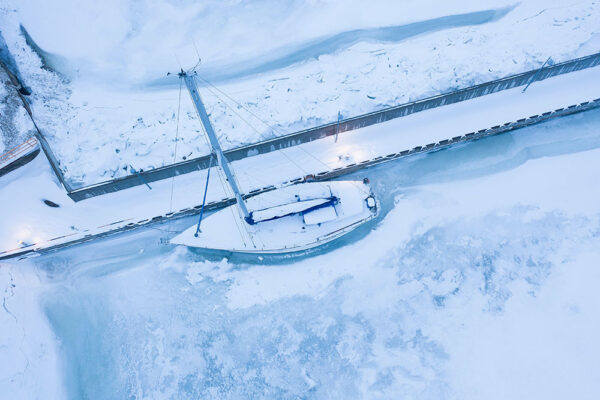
(535, 191)
(478, 280)
(3, 93)
(29, 362)
(119, 106)
(320, 215)
(34, 222)
(296, 230)
(15, 124)
(556, 327)
(479, 273)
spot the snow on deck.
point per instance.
(27, 220)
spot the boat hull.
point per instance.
(226, 230)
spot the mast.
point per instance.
(190, 83)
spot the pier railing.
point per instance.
(17, 151)
(322, 131)
(307, 135)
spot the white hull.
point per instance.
(227, 231)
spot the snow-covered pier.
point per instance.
(524, 79)
(35, 227)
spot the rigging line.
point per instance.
(235, 112)
(178, 62)
(255, 130)
(262, 121)
(263, 183)
(313, 156)
(198, 54)
(258, 118)
(204, 197)
(225, 104)
(237, 220)
(239, 104)
(236, 217)
(275, 130)
(247, 123)
(163, 230)
(293, 162)
(253, 182)
(228, 193)
(226, 189)
(176, 141)
(252, 127)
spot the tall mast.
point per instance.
(190, 82)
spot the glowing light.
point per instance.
(23, 234)
(350, 153)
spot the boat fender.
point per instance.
(371, 202)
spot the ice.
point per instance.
(31, 221)
(29, 363)
(478, 273)
(318, 59)
(479, 280)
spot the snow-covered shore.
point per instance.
(108, 117)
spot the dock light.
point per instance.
(350, 153)
(23, 236)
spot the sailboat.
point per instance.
(287, 219)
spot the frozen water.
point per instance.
(479, 280)
(481, 271)
(332, 44)
(295, 65)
